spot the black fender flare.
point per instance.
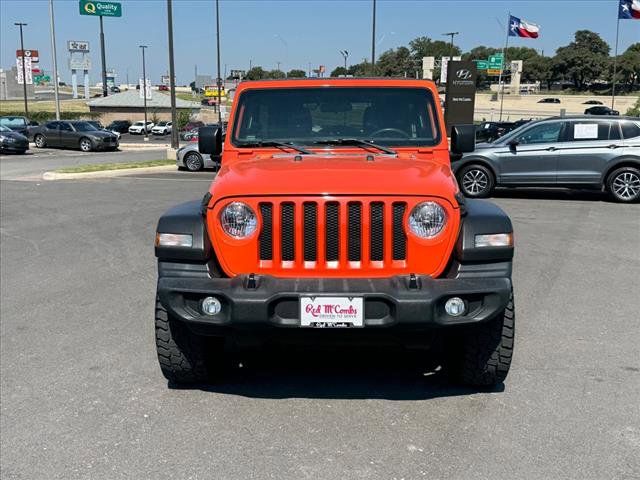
(186, 218)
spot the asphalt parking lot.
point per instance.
(82, 395)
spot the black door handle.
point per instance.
(551, 149)
(613, 146)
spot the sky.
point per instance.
(296, 33)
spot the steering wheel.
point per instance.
(394, 130)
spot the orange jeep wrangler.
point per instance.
(335, 214)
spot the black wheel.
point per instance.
(483, 354)
(476, 181)
(180, 352)
(624, 184)
(40, 141)
(85, 144)
(193, 162)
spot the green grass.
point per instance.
(99, 167)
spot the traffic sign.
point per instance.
(495, 72)
(482, 64)
(100, 9)
(496, 61)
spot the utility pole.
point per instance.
(278, 65)
(104, 60)
(55, 60)
(172, 82)
(219, 82)
(143, 89)
(24, 71)
(345, 55)
(451, 34)
(373, 40)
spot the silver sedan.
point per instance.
(188, 157)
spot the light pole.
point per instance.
(55, 60)
(143, 89)
(451, 34)
(24, 72)
(373, 40)
(345, 55)
(172, 82)
(104, 60)
(219, 82)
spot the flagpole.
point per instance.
(504, 64)
(615, 64)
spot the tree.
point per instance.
(480, 53)
(339, 71)
(540, 69)
(425, 47)
(193, 86)
(628, 68)
(296, 74)
(584, 60)
(256, 73)
(395, 63)
(276, 74)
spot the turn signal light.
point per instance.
(174, 240)
(494, 240)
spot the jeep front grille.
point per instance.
(333, 232)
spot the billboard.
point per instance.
(460, 94)
(77, 46)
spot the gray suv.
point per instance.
(574, 152)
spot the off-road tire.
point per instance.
(476, 181)
(181, 353)
(40, 141)
(487, 349)
(623, 184)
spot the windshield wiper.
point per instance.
(356, 142)
(273, 143)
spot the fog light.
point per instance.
(211, 306)
(454, 307)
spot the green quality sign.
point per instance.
(100, 9)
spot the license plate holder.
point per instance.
(331, 312)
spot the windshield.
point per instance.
(84, 127)
(304, 116)
(13, 121)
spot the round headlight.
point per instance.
(427, 219)
(238, 220)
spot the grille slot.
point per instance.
(354, 228)
(376, 237)
(399, 237)
(310, 231)
(332, 232)
(266, 234)
(287, 223)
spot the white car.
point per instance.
(138, 128)
(162, 128)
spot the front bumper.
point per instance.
(411, 302)
(17, 146)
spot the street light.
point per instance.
(24, 72)
(373, 40)
(345, 55)
(451, 34)
(143, 89)
(55, 60)
(172, 82)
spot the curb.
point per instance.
(107, 173)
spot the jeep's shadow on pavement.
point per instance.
(335, 373)
(565, 194)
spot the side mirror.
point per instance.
(33, 123)
(513, 144)
(463, 138)
(210, 140)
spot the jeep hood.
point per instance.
(334, 174)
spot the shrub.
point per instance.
(635, 110)
(44, 116)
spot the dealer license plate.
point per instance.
(331, 312)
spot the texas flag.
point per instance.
(629, 9)
(521, 28)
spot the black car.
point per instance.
(549, 100)
(120, 126)
(77, 134)
(115, 89)
(489, 131)
(592, 102)
(22, 125)
(11, 141)
(601, 110)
